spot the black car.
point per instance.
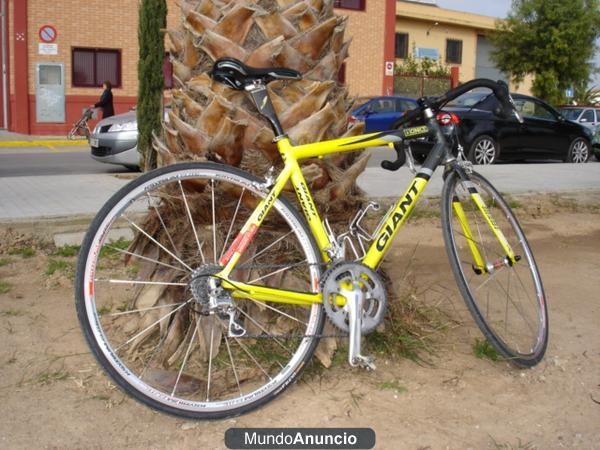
(487, 137)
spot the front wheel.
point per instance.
(151, 313)
(504, 293)
(579, 151)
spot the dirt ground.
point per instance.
(54, 395)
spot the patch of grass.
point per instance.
(393, 385)
(5, 261)
(4, 287)
(50, 377)
(483, 349)
(508, 446)
(25, 252)
(67, 251)
(110, 249)
(55, 265)
(514, 204)
(11, 312)
(410, 326)
(104, 310)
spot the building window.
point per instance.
(453, 51)
(93, 66)
(358, 5)
(401, 45)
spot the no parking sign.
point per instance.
(47, 34)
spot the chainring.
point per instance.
(335, 282)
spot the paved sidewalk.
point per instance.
(10, 139)
(28, 198)
(510, 178)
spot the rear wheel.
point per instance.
(505, 297)
(579, 151)
(154, 319)
(484, 150)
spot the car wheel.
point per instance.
(579, 151)
(484, 150)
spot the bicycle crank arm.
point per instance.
(354, 303)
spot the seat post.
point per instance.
(262, 101)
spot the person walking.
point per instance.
(106, 101)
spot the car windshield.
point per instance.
(571, 113)
(469, 99)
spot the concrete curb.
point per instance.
(45, 143)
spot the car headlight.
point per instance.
(127, 126)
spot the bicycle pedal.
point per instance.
(365, 362)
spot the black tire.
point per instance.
(499, 306)
(484, 150)
(107, 354)
(579, 151)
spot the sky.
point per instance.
(498, 8)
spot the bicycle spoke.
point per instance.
(255, 322)
(145, 258)
(160, 283)
(189, 214)
(157, 243)
(185, 358)
(210, 355)
(275, 272)
(144, 309)
(256, 255)
(152, 325)
(214, 227)
(272, 308)
(232, 222)
(237, 380)
(162, 223)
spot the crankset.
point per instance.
(355, 301)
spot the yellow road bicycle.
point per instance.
(223, 314)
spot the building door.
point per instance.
(50, 92)
(484, 67)
(3, 65)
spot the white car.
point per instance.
(587, 116)
(114, 140)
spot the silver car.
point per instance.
(114, 140)
(587, 116)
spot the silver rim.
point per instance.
(115, 344)
(580, 152)
(485, 152)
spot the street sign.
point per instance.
(47, 49)
(389, 68)
(569, 93)
(47, 34)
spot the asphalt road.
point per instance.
(40, 161)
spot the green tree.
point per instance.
(152, 19)
(554, 40)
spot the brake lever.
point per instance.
(400, 158)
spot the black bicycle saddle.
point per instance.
(237, 75)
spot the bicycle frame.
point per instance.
(291, 172)
(390, 224)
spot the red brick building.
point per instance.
(57, 54)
